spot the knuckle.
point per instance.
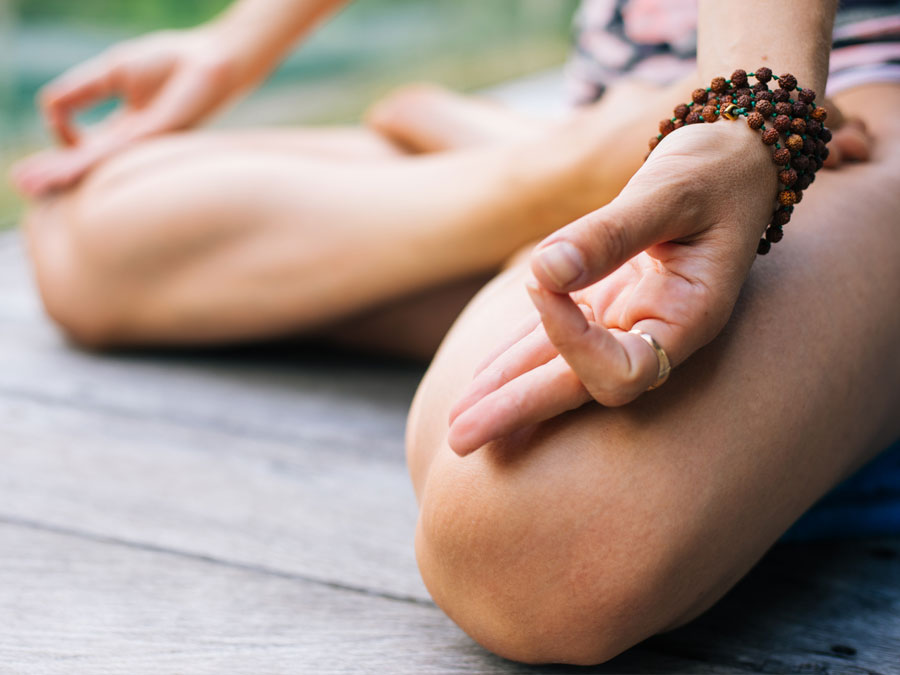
(613, 239)
(512, 406)
(608, 240)
(614, 398)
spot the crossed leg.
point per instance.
(223, 236)
(206, 237)
(577, 538)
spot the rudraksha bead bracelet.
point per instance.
(796, 131)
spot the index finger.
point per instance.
(82, 86)
(615, 369)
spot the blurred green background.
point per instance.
(368, 48)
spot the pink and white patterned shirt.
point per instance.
(656, 40)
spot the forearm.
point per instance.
(792, 37)
(262, 31)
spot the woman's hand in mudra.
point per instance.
(668, 256)
(166, 81)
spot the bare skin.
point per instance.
(210, 237)
(572, 539)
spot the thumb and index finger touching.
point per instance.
(181, 101)
(82, 86)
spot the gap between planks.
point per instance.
(15, 521)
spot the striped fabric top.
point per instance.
(656, 40)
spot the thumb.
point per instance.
(595, 245)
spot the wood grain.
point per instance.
(301, 508)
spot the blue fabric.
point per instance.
(865, 505)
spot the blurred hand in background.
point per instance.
(167, 81)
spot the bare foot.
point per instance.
(430, 118)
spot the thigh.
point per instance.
(349, 143)
(207, 238)
(603, 526)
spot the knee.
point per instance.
(533, 572)
(75, 273)
(398, 105)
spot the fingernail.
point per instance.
(532, 287)
(561, 262)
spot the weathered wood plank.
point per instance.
(70, 604)
(316, 509)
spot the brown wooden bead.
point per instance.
(787, 81)
(679, 124)
(770, 136)
(781, 95)
(819, 114)
(781, 218)
(819, 163)
(681, 111)
(782, 123)
(745, 102)
(763, 74)
(798, 196)
(813, 127)
(739, 78)
(765, 108)
(763, 247)
(799, 109)
(824, 154)
(794, 143)
(755, 120)
(809, 146)
(653, 142)
(712, 100)
(825, 134)
(798, 126)
(709, 113)
(807, 95)
(787, 198)
(781, 156)
(743, 91)
(718, 84)
(759, 86)
(787, 177)
(699, 96)
(693, 118)
(666, 127)
(800, 162)
(805, 181)
(764, 96)
(783, 108)
(774, 234)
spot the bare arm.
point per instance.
(168, 81)
(262, 31)
(790, 37)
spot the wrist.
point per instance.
(248, 53)
(747, 162)
(789, 123)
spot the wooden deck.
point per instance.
(249, 511)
